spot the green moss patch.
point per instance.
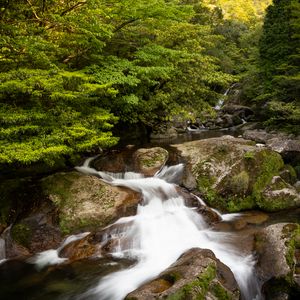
(21, 233)
(242, 188)
(200, 287)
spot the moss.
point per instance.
(60, 186)
(243, 188)
(292, 233)
(220, 292)
(152, 159)
(205, 180)
(239, 183)
(198, 288)
(21, 233)
(66, 191)
(239, 204)
(249, 155)
(269, 165)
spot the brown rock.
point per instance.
(185, 279)
(149, 161)
(84, 248)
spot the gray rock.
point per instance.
(259, 136)
(276, 247)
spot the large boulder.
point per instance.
(149, 160)
(234, 174)
(277, 247)
(85, 202)
(197, 274)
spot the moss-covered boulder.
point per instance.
(197, 274)
(234, 174)
(279, 195)
(150, 160)
(85, 202)
(277, 247)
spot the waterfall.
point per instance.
(2, 250)
(163, 229)
(221, 100)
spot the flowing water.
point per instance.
(163, 228)
(2, 250)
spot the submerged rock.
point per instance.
(234, 174)
(85, 202)
(277, 247)
(197, 274)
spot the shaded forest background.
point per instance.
(71, 70)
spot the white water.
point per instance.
(221, 100)
(159, 233)
(2, 249)
(51, 257)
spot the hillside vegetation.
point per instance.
(73, 69)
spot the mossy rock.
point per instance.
(234, 174)
(279, 195)
(197, 274)
(149, 161)
(85, 202)
(276, 247)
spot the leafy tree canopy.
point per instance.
(72, 69)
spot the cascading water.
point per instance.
(221, 100)
(51, 257)
(163, 228)
(2, 250)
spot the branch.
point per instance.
(124, 24)
(73, 7)
(33, 11)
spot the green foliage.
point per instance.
(273, 86)
(71, 69)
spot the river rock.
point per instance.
(87, 247)
(258, 135)
(287, 145)
(114, 162)
(36, 227)
(210, 215)
(233, 174)
(150, 160)
(197, 274)
(85, 202)
(276, 247)
(278, 195)
(163, 133)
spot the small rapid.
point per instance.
(163, 229)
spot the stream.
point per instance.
(163, 229)
(141, 246)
